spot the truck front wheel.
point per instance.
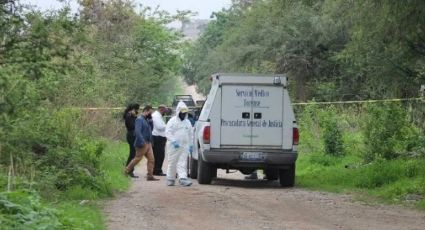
(287, 176)
(204, 171)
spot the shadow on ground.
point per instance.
(243, 183)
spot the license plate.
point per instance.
(252, 156)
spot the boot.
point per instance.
(185, 182)
(151, 178)
(171, 182)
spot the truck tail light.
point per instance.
(295, 136)
(207, 134)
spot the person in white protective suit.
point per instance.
(179, 135)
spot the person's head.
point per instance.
(162, 109)
(182, 110)
(147, 112)
(132, 109)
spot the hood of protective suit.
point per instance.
(181, 107)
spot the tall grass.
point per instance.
(393, 171)
(73, 208)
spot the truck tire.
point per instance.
(213, 172)
(287, 176)
(272, 174)
(204, 171)
(193, 172)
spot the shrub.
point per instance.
(60, 155)
(310, 131)
(388, 132)
(332, 133)
(321, 131)
(24, 210)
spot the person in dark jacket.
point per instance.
(143, 143)
(130, 115)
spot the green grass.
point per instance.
(75, 216)
(395, 172)
(112, 178)
(90, 216)
(395, 181)
(22, 209)
(113, 165)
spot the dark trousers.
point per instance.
(130, 139)
(159, 153)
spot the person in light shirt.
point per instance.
(159, 139)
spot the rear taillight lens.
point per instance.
(295, 136)
(207, 134)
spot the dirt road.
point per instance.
(233, 203)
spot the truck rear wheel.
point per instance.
(272, 174)
(287, 176)
(193, 169)
(204, 171)
(213, 172)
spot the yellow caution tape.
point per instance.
(299, 103)
(359, 102)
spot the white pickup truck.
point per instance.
(247, 123)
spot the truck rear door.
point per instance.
(267, 115)
(235, 115)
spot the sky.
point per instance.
(203, 7)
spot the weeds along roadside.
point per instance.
(55, 165)
(377, 150)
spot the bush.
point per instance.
(388, 132)
(60, 155)
(321, 131)
(310, 130)
(332, 133)
(24, 210)
(394, 178)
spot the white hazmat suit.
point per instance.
(179, 135)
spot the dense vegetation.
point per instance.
(330, 49)
(378, 151)
(334, 50)
(51, 155)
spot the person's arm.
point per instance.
(170, 133)
(140, 141)
(158, 123)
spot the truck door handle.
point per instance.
(246, 115)
(258, 115)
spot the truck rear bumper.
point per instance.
(234, 157)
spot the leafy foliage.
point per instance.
(383, 151)
(388, 132)
(332, 134)
(321, 131)
(331, 49)
(107, 55)
(20, 210)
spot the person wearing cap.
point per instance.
(159, 139)
(179, 135)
